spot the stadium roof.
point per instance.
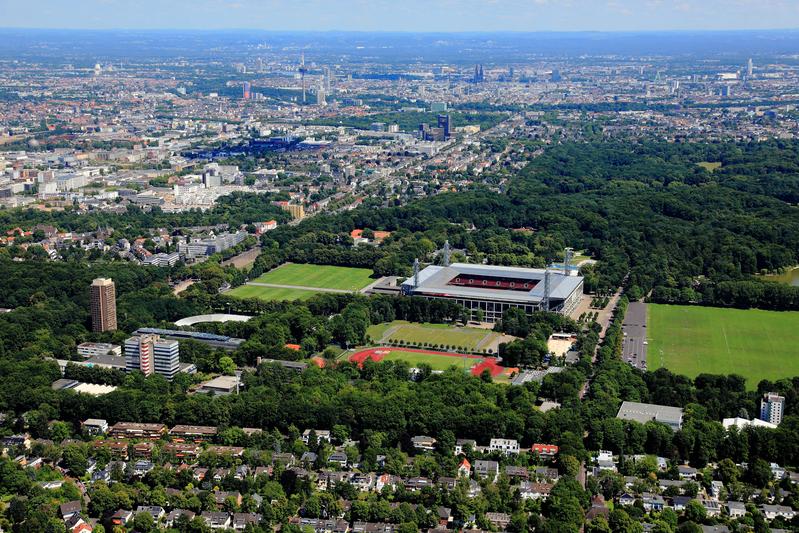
(436, 279)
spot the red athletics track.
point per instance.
(376, 355)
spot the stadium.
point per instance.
(493, 289)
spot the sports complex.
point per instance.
(439, 361)
(487, 291)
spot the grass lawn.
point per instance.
(319, 276)
(436, 362)
(441, 334)
(753, 343)
(270, 293)
(710, 166)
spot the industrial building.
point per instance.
(490, 290)
(646, 412)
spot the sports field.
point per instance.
(437, 360)
(270, 293)
(443, 335)
(753, 343)
(318, 276)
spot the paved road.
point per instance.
(634, 327)
(317, 289)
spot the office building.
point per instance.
(211, 339)
(772, 407)
(103, 305)
(320, 97)
(246, 91)
(646, 412)
(488, 290)
(152, 355)
(91, 349)
(445, 123)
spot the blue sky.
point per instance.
(404, 15)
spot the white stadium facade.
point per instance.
(493, 289)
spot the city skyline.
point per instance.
(412, 15)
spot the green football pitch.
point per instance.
(752, 343)
(318, 276)
(470, 339)
(270, 293)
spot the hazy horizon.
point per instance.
(415, 16)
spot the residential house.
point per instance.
(598, 508)
(338, 458)
(122, 517)
(545, 450)
(736, 509)
(465, 468)
(462, 444)
(686, 472)
(321, 435)
(487, 469)
(424, 443)
(94, 426)
(712, 507)
(534, 490)
(773, 511)
(517, 472)
(70, 509)
(653, 502)
(175, 514)
(216, 520)
(183, 433)
(506, 446)
(498, 520)
(240, 521)
(156, 511)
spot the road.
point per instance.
(634, 344)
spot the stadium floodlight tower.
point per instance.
(416, 273)
(545, 301)
(568, 254)
(447, 253)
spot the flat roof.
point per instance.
(434, 280)
(646, 412)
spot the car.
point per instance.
(646, 343)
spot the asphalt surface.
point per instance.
(634, 328)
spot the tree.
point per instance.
(143, 522)
(695, 512)
(598, 525)
(227, 366)
(621, 522)
(74, 460)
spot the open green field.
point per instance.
(270, 293)
(710, 166)
(318, 276)
(470, 339)
(436, 362)
(753, 343)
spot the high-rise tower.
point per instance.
(103, 305)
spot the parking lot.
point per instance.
(634, 344)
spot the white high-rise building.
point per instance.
(772, 407)
(151, 354)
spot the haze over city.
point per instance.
(407, 16)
